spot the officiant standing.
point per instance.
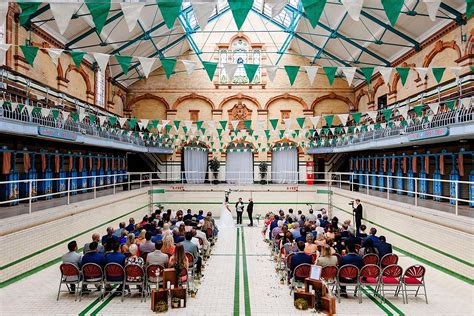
(239, 207)
(250, 211)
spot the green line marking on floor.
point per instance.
(246, 277)
(392, 306)
(237, 276)
(380, 305)
(101, 306)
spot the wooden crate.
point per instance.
(309, 297)
(179, 293)
(317, 285)
(158, 295)
(329, 305)
(169, 275)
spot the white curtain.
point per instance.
(195, 165)
(285, 166)
(239, 167)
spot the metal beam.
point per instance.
(460, 20)
(291, 34)
(318, 55)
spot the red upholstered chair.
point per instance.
(346, 276)
(191, 262)
(288, 265)
(114, 274)
(92, 274)
(300, 273)
(329, 275)
(388, 259)
(369, 275)
(339, 258)
(314, 256)
(414, 276)
(370, 258)
(70, 275)
(391, 277)
(135, 275)
(154, 276)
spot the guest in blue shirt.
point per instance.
(300, 257)
(115, 256)
(200, 216)
(274, 223)
(110, 236)
(158, 236)
(93, 256)
(351, 258)
(375, 239)
(131, 226)
(384, 247)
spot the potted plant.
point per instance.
(214, 165)
(161, 307)
(263, 168)
(175, 301)
(301, 304)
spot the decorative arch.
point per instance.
(287, 141)
(438, 48)
(333, 96)
(287, 96)
(360, 95)
(192, 96)
(60, 71)
(147, 96)
(376, 86)
(240, 35)
(83, 74)
(393, 87)
(469, 49)
(239, 96)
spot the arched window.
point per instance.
(99, 88)
(239, 52)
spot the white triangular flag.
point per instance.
(14, 106)
(271, 72)
(145, 122)
(234, 124)
(372, 115)
(397, 123)
(456, 72)
(349, 73)
(29, 109)
(430, 117)
(122, 121)
(165, 122)
(102, 60)
(54, 54)
(65, 115)
(188, 124)
(386, 73)
(203, 11)
(383, 125)
(3, 52)
(45, 112)
(3, 13)
(276, 5)
(353, 7)
(403, 110)
(343, 118)
(211, 124)
(315, 120)
(189, 65)
(147, 65)
(434, 107)
(466, 102)
(102, 119)
(82, 116)
(131, 13)
(230, 70)
(62, 13)
(287, 123)
(311, 71)
(432, 7)
(422, 71)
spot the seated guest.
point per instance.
(200, 234)
(310, 246)
(326, 258)
(361, 233)
(274, 223)
(339, 245)
(179, 261)
(109, 236)
(140, 238)
(95, 238)
(158, 236)
(200, 215)
(375, 239)
(92, 256)
(311, 217)
(178, 236)
(300, 257)
(144, 221)
(345, 231)
(368, 248)
(118, 231)
(320, 240)
(115, 256)
(190, 247)
(383, 247)
(166, 229)
(157, 257)
(302, 236)
(148, 245)
(291, 215)
(288, 243)
(131, 225)
(124, 248)
(168, 245)
(319, 230)
(302, 220)
(188, 215)
(350, 258)
(324, 221)
(295, 230)
(134, 259)
(195, 240)
(298, 217)
(123, 237)
(74, 258)
(330, 234)
(277, 230)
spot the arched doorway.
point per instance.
(285, 162)
(239, 163)
(195, 161)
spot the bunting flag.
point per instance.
(102, 60)
(3, 52)
(210, 68)
(386, 73)
(77, 57)
(27, 9)
(343, 118)
(418, 109)
(367, 71)
(422, 71)
(392, 9)
(147, 65)
(54, 54)
(372, 115)
(469, 9)
(450, 104)
(434, 107)
(223, 124)
(403, 72)
(170, 10)
(203, 11)
(62, 13)
(300, 121)
(311, 71)
(349, 73)
(287, 123)
(99, 12)
(353, 7)
(271, 72)
(168, 66)
(240, 9)
(315, 121)
(124, 62)
(274, 123)
(403, 110)
(29, 52)
(276, 6)
(131, 13)
(432, 7)
(234, 124)
(330, 73)
(292, 72)
(65, 115)
(313, 9)
(356, 116)
(329, 119)
(438, 73)
(190, 66)
(230, 70)
(387, 114)
(250, 71)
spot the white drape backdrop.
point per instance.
(285, 166)
(239, 167)
(195, 165)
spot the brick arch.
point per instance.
(83, 74)
(147, 96)
(333, 96)
(239, 96)
(469, 49)
(438, 48)
(393, 87)
(360, 95)
(192, 96)
(287, 96)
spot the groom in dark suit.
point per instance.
(250, 211)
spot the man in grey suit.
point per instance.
(190, 247)
(74, 258)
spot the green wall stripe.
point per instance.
(246, 277)
(237, 276)
(220, 203)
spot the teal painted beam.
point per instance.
(460, 20)
(318, 55)
(291, 34)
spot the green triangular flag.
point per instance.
(77, 57)
(27, 9)
(418, 109)
(282, 133)
(469, 9)
(185, 129)
(300, 121)
(74, 116)
(154, 123)
(356, 116)
(219, 131)
(247, 124)
(367, 71)
(330, 73)
(92, 118)
(223, 124)
(274, 123)
(329, 119)
(292, 71)
(438, 73)
(199, 124)
(450, 104)
(99, 11)
(132, 122)
(112, 120)
(210, 68)
(267, 134)
(29, 52)
(55, 113)
(168, 66)
(403, 72)
(170, 10)
(124, 62)
(313, 9)
(392, 9)
(250, 71)
(387, 113)
(240, 9)
(168, 128)
(176, 124)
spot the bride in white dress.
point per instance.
(226, 221)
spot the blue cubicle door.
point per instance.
(9, 191)
(45, 186)
(73, 181)
(59, 185)
(399, 178)
(25, 186)
(423, 185)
